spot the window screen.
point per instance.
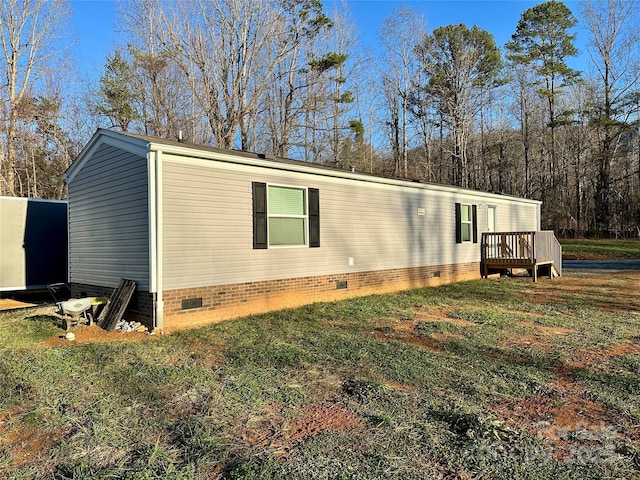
(287, 209)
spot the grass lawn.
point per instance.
(580, 249)
(492, 379)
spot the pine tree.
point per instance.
(543, 41)
(459, 62)
(118, 93)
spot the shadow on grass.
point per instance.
(46, 320)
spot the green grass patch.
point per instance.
(431, 383)
(601, 249)
(24, 327)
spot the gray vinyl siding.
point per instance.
(511, 215)
(109, 220)
(207, 226)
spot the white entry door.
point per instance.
(492, 242)
(491, 218)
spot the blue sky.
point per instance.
(94, 24)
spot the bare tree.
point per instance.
(284, 101)
(459, 61)
(543, 41)
(228, 50)
(30, 30)
(613, 49)
(164, 103)
(400, 34)
(330, 99)
(526, 112)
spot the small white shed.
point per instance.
(33, 243)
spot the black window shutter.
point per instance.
(458, 223)
(259, 215)
(474, 216)
(314, 217)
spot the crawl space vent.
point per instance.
(189, 303)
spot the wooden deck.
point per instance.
(537, 251)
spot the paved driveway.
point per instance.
(601, 265)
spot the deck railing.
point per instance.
(548, 249)
(521, 249)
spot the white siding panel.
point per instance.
(207, 225)
(109, 220)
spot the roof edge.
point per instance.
(143, 144)
(204, 152)
(103, 136)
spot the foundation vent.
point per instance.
(189, 303)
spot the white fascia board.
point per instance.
(195, 155)
(130, 144)
(31, 199)
(19, 288)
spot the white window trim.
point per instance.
(466, 222)
(305, 217)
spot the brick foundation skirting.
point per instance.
(236, 300)
(224, 302)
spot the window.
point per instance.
(285, 216)
(466, 223)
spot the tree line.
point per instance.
(288, 78)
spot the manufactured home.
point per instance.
(33, 243)
(210, 234)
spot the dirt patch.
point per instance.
(540, 297)
(531, 341)
(25, 443)
(434, 342)
(326, 417)
(521, 313)
(442, 318)
(595, 356)
(612, 292)
(563, 417)
(541, 337)
(405, 332)
(93, 334)
(398, 386)
(545, 330)
(279, 434)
